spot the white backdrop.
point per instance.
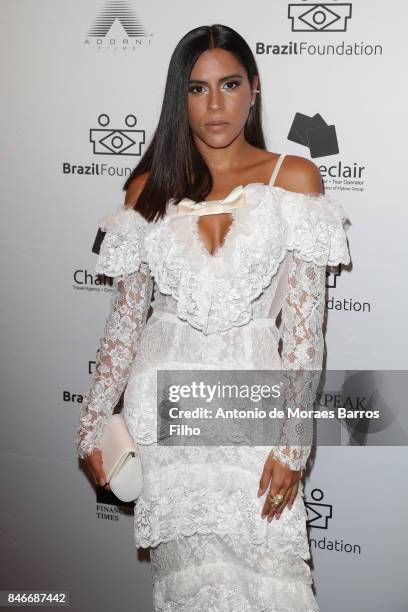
(61, 82)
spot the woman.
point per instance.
(224, 236)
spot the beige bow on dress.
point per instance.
(235, 199)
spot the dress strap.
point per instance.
(276, 169)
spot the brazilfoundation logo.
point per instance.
(116, 141)
(91, 366)
(319, 16)
(314, 18)
(331, 277)
(117, 26)
(106, 140)
(318, 513)
(319, 517)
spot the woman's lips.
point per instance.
(216, 127)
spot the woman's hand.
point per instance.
(95, 465)
(284, 482)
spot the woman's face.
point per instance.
(219, 90)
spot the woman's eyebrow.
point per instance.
(225, 78)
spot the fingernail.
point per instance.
(259, 492)
(263, 516)
(269, 519)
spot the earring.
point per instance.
(253, 101)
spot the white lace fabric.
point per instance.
(202, 572)
(117, 348)
(216, 312)
(216, 294)
(302, 356)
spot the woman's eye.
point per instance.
(193, 88)
(237, 83)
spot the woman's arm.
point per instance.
(302, 356)
(127, 317)
(315, 238)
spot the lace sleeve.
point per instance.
(302, 356)
(128, 312)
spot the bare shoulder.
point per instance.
(300, 174)
(135, 189)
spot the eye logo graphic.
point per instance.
(116, 141)
(318, 513)
(122, 13)
(319, 17)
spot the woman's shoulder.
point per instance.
(125, 220)
(119, 242)
(135, 188)
(313, 220)
(299, 175)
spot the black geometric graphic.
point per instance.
(318, 513)
(332, 276)
(314, 133)
(116, 141)
(122, 12)
(319, 17)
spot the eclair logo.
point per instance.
(315, 134)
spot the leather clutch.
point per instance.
(121, 460)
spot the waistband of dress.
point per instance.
(173, 318)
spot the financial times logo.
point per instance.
(319, 17)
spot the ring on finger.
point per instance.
(276, 499)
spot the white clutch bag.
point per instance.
(121, 460)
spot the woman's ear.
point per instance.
(255, 82)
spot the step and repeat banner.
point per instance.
(83, 85)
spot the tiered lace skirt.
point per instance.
(210, 549)
(223, 573)
(199, 511)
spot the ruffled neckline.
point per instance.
(271, 188)
(214, 292)
(223, 258)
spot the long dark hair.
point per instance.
(176, 168)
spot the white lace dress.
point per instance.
(199, 511)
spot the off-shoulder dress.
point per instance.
(199, 511)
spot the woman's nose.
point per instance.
(215, 100)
